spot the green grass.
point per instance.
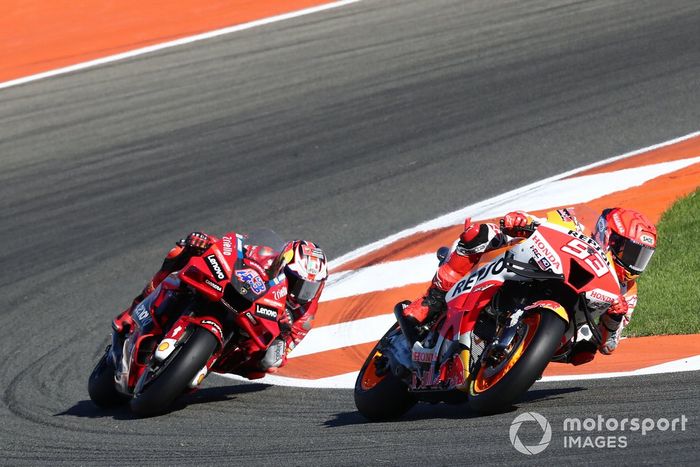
(669, 290)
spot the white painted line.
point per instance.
(382, 276)
(344, 381)
(451, 218)
(336, 336)
(174, 43)
(676, 366)
(347, 380)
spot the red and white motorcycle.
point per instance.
(218, 313)
(524, 306)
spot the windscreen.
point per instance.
(265, 237)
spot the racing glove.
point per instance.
(514, 223)
(619, 306)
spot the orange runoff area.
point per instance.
(38, 36)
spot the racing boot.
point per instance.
(609, 325)
(413, 317)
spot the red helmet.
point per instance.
(304, 265)
(630, 237)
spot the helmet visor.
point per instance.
(301, 290)
(633, 256)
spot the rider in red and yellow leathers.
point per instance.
(627, 235)
(305, 269)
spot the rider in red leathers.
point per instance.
(303, 264)
(627, 235)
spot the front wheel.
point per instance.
(169, 381)
(496, 386)
(384, 396)
(101, 384)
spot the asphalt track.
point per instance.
(342, 127)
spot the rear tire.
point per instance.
(534, 359)
(173, 379)
(381, 397)
(101, 385)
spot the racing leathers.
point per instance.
(475, 240)
(294, 322)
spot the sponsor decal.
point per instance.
(228, 246)
(142, 315)
(544, 250)
(265, 312)
(600, 296)
(280, 293)
(253, 279)
(483, 287)
(214, 325)
(213, 285)
(163, 346)
(467, 284)
(215, 267)
(648, 239)
(424, 356)
(544, 264)
(250, 318)
(618, 223)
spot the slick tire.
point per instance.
(543, 341)
(101, 386)
(381, 398)
(171, 380)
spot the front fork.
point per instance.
(178, 335)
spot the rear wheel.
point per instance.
(383, 396)
(101, 385)
(160, 386)
(496, 386)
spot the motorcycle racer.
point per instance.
(628, 237)
(303, 264)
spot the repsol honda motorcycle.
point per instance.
(523, 306)
(218, 313)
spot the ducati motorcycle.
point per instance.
(523, 306)
(218, 313)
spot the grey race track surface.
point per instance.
(342, 127)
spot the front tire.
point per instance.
(101, 384)
(381, 397)
(492, 389)
(171, 380)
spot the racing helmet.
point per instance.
(305, 266)
(630, 237)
